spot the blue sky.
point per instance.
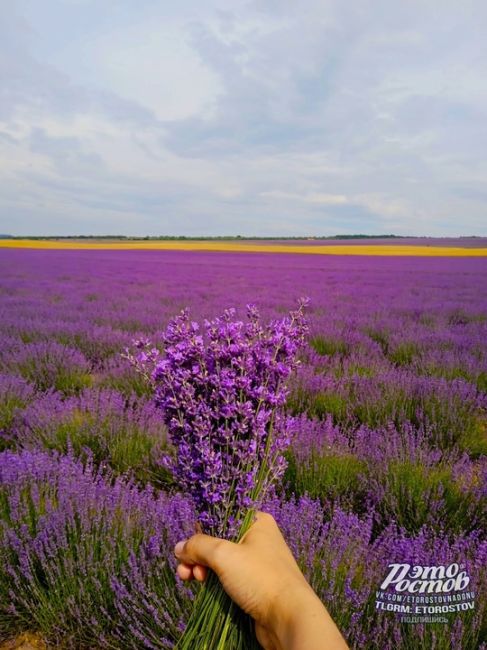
(264, 117)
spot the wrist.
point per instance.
(290, 606)
(300, 620)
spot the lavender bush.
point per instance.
(50, 365)
(82, 555)
(125, 434)
(15, 394)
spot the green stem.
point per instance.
(216, 623)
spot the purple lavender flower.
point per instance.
(220, 393)
(50, 365)
(86, 555)
(123, 433)
(15, 394)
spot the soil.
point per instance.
(24, 642)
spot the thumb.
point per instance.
(203, 549)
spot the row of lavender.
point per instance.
(388, 462)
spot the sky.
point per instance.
(259, 117)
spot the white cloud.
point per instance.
(327, 199)
(242, 117)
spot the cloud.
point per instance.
(242, 117)
(35, 89)
(65, 153)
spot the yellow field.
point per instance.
(358, 249)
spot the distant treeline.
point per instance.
(223, 237)
(202, 238)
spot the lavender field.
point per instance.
(388, 460)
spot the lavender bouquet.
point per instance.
(221, 391)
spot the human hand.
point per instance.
(261, 575)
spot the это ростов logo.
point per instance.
(419, 579)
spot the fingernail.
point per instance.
(179, 548)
